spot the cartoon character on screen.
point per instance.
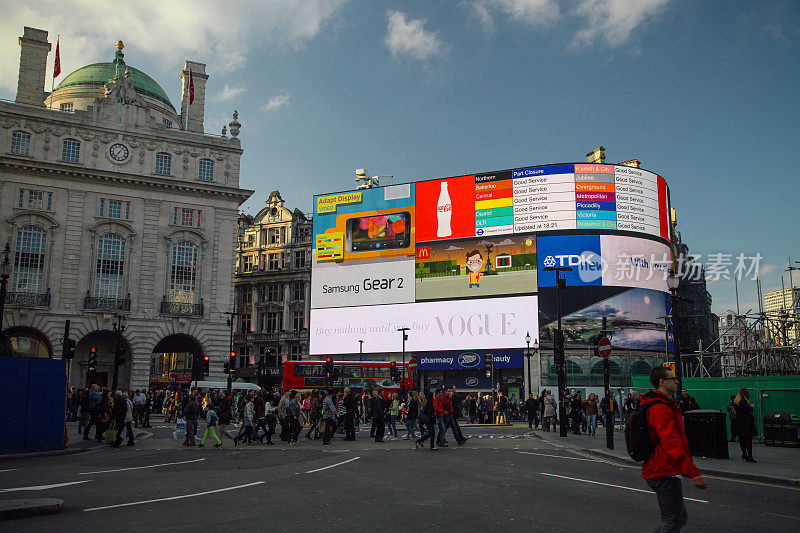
(474, 265)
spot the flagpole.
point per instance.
(53, 81)
(188, 101)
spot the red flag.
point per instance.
(191, 87)
(57, 63)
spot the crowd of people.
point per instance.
(104, 410)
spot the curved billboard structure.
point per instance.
(460, 260)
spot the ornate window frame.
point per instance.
(185, 234)
(111, 227)
(44, 222)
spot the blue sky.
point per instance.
(702, 92)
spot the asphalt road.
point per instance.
(500, 481)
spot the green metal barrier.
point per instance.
(768, 394)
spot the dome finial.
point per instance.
(118, 55)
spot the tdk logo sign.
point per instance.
(589, 265)
(580, 253)
(468, 360)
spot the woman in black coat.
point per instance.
(745, 424)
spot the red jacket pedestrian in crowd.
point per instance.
(671, 457)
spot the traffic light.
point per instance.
(206, 365)
(92, 360)
(232, 362)
(120, 355)
(394, 372)
(487, 360)
(226, 368)
(69, 348)
(328, 370)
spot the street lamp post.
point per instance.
(673, 282)
(118, 329)
(558, 349)
(360, 351)
(403, 368)
(5, 272)
(240, 227)
(528, 355)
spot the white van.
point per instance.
(224, 385)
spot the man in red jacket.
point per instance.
(671, 457)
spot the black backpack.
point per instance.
(637, 433)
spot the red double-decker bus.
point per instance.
(354, 374)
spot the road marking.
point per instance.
(138, 467)
(44, 487)
(331, 466)
(561, 457)
(9, 470)
(617, 486)
(171, 498)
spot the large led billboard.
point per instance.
(456, 253)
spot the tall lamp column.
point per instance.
(558, 349)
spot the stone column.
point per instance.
(32, 67)
(196, 111)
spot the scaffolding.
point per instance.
(762, 347)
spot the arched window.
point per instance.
(640, 368)
(29, 254)
(183, 272)
(163, 164)
(205, 171)
(71, 151)
(108, 278)
(597, 369)
(20, 143)
(570, 366)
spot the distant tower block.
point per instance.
(598, 155)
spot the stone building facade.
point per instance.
(118, 210)
(273, 290)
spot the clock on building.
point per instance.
(118, 152)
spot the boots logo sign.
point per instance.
(468, 360)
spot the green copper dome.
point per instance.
(98, 74)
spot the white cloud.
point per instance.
(220, 34)
(228, 93)
(409, 38)
(768, 269)
(529, 12)
(276, 102)
(614, 21)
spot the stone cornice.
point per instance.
(79, 173)
(82, 120)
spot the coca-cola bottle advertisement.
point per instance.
(445, 208)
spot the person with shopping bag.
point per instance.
(211, 424)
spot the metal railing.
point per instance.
(116, 304)
(182, 308)
(28, 299)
